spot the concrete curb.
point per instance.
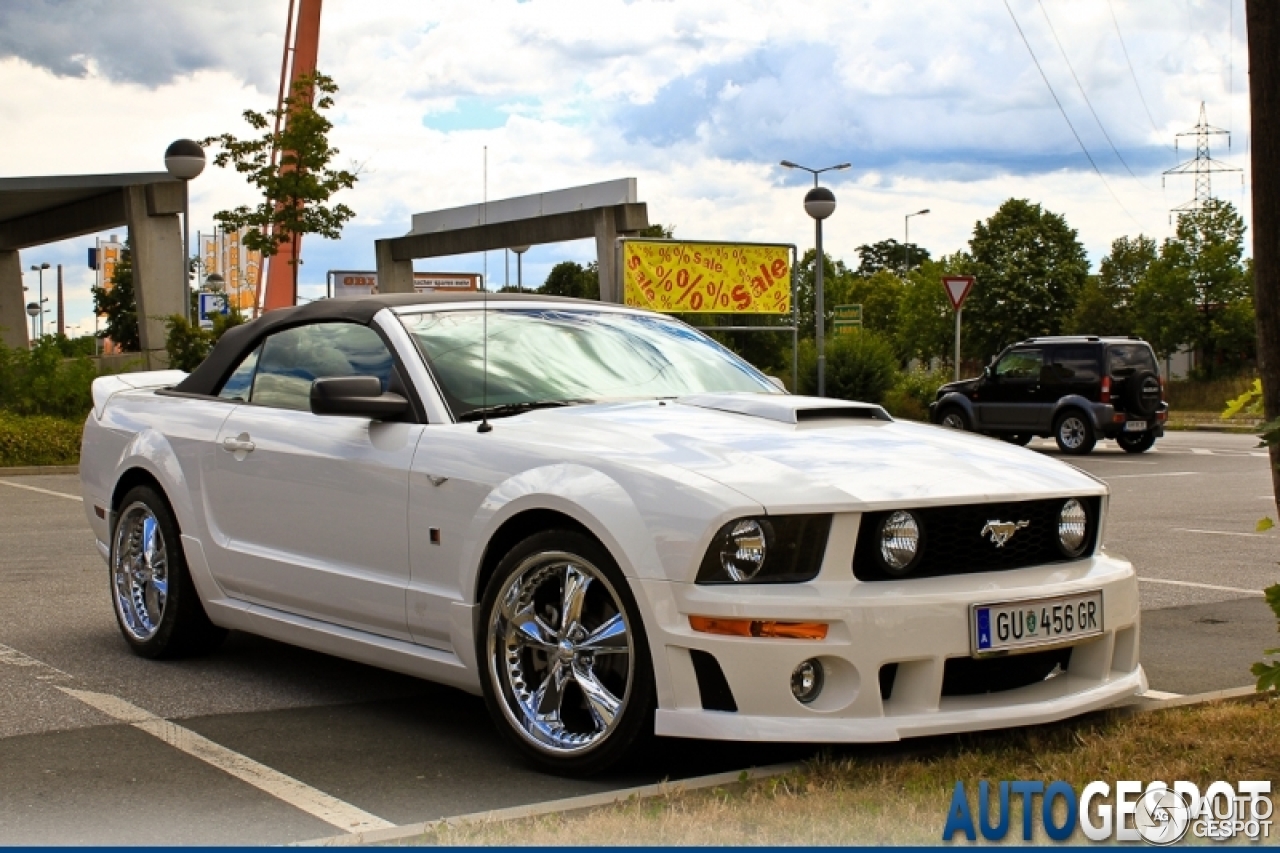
(606, 798)
(35, 470)
(587, 801)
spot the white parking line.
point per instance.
(42, 491)
(316, 803)
(1213, 587)
(1222, 532)
(1160, 694)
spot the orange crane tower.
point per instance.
(281, 291)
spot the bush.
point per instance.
(40, 381)
(188, 344)
(915, 390)
(38, 440)
(861, 366)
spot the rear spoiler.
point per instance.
(106, 387)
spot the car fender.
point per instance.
(151, 451)
(955, 398)
(1099, 413)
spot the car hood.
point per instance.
(803, 453)
(964, 386)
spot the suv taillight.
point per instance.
(1105, 396)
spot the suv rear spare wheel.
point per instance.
(1074, 433)
(1142, 393)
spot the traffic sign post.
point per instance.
(958, 288)
(210, 304)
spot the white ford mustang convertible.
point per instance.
(607, 524)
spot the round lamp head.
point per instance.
(519, 250)
(819, 202)
(32, 309)
(184, 159)
(215, 281)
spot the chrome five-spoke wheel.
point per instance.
(568, 674)
(140, 572)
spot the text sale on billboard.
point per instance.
(707, 278)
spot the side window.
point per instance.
(1126, 359)
(291, 360)
(1020, 364)
(1076, 364)
(241, 380)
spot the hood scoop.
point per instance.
(787, 408)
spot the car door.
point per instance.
(309, 513)
(1009, 398)
(1076, 371)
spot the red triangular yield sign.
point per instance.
(958, 287)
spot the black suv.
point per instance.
(1077, 389)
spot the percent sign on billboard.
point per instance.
(707, 278)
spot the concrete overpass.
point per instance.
(38, 210)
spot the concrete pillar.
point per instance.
(606, 256)
(158, 281)
(393, 276)
(13, 306)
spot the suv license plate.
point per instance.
(1018, 625)
(1135, 426)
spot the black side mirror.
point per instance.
(357, 397)
(986, 372)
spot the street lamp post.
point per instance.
(819, 203)
(906, 241)
(184, 160)
(39, 268)
(520, 250)
(33, 311)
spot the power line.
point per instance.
(1129, 62)
(1067, 118)
(1084, 95)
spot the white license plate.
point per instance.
(1135, 426)
(1017, 625)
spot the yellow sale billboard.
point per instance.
(707, 278)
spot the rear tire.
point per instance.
(1022, 439)
(564, 659)
(1136, 443)
(155, 602)
(1073, 433)
(953, 417)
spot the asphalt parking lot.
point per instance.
(99, 746)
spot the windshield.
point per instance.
(540, 355)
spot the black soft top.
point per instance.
(241, 340)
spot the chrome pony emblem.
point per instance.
(1002, 531)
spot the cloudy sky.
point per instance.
(936, 104)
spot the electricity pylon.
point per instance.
(1202, 166)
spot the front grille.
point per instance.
(952, 542)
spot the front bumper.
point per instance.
(916, 624)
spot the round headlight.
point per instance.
(899, 542)
(742, 554)
(1073, 528)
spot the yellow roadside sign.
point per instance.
(707, 278)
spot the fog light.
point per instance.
(806, 681)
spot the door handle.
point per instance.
(240, 442)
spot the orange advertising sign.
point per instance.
(707, 278)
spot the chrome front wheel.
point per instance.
(139, 572)
(568, 675)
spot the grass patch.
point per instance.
(38, 440)
(1212, 396)
(863, 796)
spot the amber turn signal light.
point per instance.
(759, 628)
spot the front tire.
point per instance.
(953, 417)
(1073, 433)
(155, 602)
(1139, 443)
(566, 670)
(1022, 439)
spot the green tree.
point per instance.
(1104, 306)
(879, 294)
(889, 255)
(926, 324)
(1164, 302)
(118, 305)
(572, 279)
(860, 366)
(1030, 267)
(188, 344)
(835, 285)
(1212, 239)
(298, 184)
